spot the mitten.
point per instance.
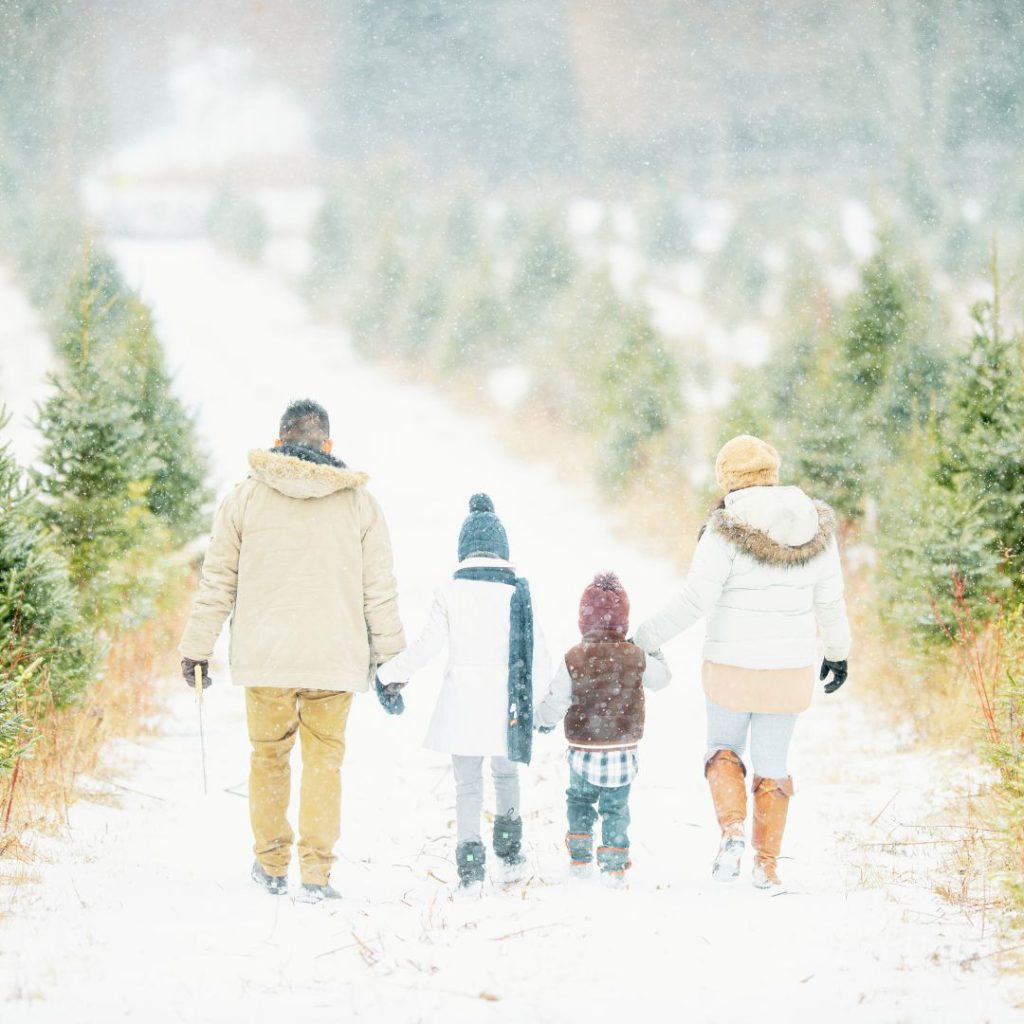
(390, 697)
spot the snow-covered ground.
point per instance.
(144, 911)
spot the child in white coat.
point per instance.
(485, 708)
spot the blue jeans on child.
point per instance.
(584, 802)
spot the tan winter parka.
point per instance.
(300, 558)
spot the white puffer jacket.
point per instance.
(471, 617)
(767, 575)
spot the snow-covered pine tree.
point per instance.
(547, 266)
(46, 647)
(635, 388)
(851, 416)
(178, 493)
(982, 458)
(96, 463)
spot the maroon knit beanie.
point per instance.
(604, 606)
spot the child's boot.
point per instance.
(614, 863)
(771, 802)
(508, 844)
(469, 857)
(581, 854)
(725, 774)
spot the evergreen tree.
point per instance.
(46, 648)
(928, 535)
(631, 388)
(96, 462)
(953, 506)
(547, 266)
(982, 459)
(178, 492)
(333, 245)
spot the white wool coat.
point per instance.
(471, 618)
(766, 574)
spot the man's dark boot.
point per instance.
(469, 857)
(276, 885)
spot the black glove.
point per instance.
(390, 697)
(545, 729)
(188, 670)
(839, 672)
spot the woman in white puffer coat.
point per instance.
(767, 575)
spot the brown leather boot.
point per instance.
(725, 774)
(771, 802)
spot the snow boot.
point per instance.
(581, 852)
(508, 843)
(310, 893)
(581, 869)
(614, 879)
(614, 863)
(469, 858)
(771, 802)
(725, 774)
(276, 885)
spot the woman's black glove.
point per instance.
(839, 672)
(390, 697)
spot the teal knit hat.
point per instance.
(482, 532)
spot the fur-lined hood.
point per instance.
(303, 473)
(777, 526)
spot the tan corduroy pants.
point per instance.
(274, 716)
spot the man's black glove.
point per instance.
(390, 697)
(545, 729)
(188, 670)
(838, 670)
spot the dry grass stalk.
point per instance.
(122, 702)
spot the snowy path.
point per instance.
(147, 914)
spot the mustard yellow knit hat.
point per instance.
(747, 461)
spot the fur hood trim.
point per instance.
(764, 548)
(299, 476)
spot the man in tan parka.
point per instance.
(300, 559)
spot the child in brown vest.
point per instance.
(599, 690)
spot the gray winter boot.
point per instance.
(469, 857)
(508, 839)
(276, 885)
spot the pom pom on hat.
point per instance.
(482, 532)
(604, 606)
(481, 503)
(747, 461)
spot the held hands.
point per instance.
(188, 671)
(390, 697)
(839, 672)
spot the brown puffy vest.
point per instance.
(607, 709)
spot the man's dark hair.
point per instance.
(305, 422)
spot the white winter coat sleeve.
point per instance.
(710, 568)
(551, 710)
(830, 607)
(427, 646)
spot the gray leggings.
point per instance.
(469, 792)
(769, 738)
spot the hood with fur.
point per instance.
(303, 473)
(778, 526)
